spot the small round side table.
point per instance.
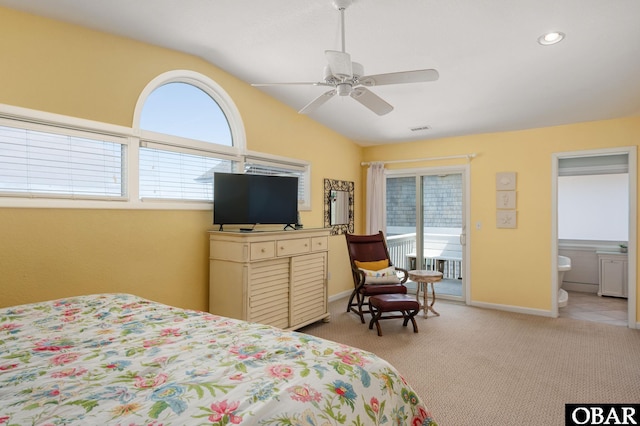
(423, 278)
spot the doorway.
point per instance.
(426, 220)
(595, 245)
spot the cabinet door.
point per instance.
(308, 287)
(625, 279)
(269, 292)
(613, 275)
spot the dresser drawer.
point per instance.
(319, 243)
(263, 250)
(291, 247)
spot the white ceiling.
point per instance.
(494, 76)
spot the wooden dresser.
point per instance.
(270, 277)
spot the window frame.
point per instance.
(211, 88)
(134, 137)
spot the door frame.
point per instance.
(465, 171)
(631, 152)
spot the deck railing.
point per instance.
(399, 247)
(402, 250)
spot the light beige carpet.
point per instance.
(477, 366)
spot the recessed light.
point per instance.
(551, 38)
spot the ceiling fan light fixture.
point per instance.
(551, 38)
(344, 89)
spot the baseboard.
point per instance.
(511, 308)
(580, 287)
(335, 297)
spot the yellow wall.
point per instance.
(51, 253)
(46, 253)
(162, 255)
(513, 266)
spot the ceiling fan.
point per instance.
(346, 78)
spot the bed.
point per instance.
(119, 359)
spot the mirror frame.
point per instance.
(337, 185)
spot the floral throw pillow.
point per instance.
(383, 276)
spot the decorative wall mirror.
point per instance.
(338, 206)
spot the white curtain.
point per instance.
(376, 208)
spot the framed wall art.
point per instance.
(505, 200)
(506, 219)
(505, 181)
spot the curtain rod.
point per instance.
(417, 160)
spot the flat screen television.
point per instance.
(242, 199)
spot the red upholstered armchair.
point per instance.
(372, 270)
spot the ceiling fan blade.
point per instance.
(339, 63)
(417, 76)
(317, 102)
(372, 101)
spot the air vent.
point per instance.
(420, 128)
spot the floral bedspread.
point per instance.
(118, 359)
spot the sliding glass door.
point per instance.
(425, 212)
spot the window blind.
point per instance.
(36, 163)
(594, 165)
(178, 175)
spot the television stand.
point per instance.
(289, 226)
(277, 278)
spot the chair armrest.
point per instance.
(358, 277)
(405, 274)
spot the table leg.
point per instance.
(433, 300)
(425, 307)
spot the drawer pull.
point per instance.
(263, 251)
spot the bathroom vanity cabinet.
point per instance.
(612, 267)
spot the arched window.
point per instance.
(181, 109)
(189, 129)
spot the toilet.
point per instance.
(564, 264)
